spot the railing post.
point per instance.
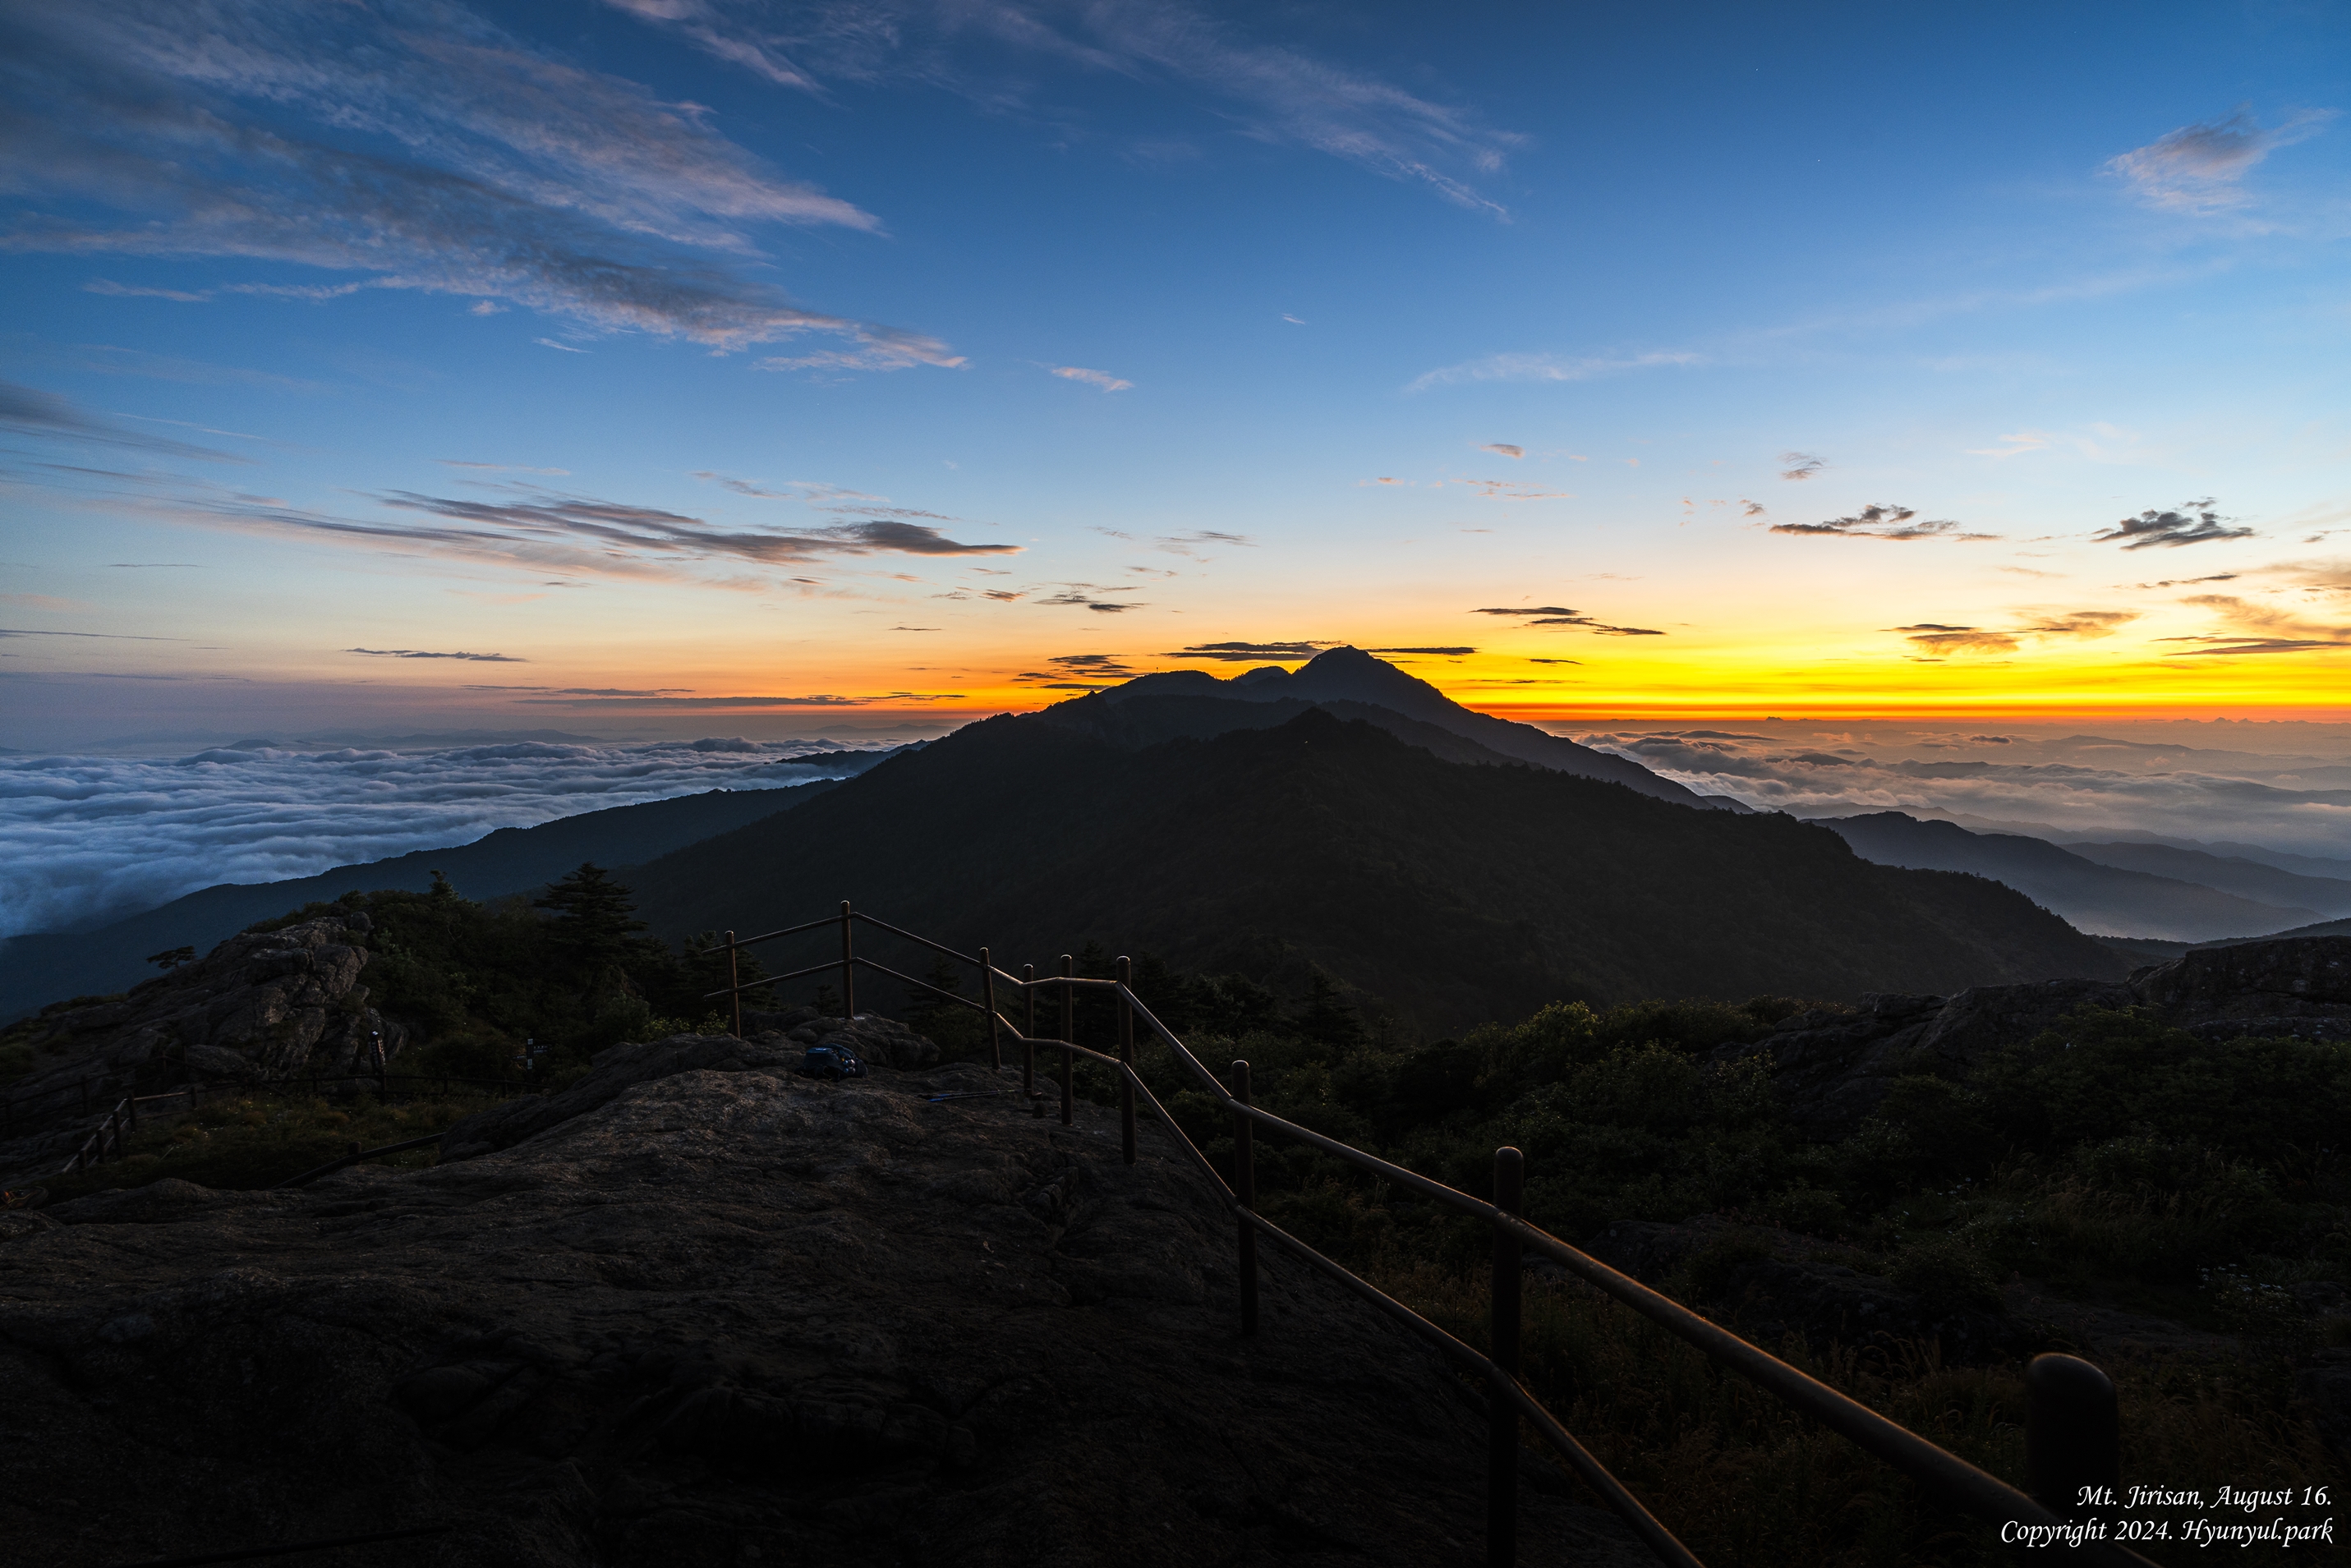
(1502, 1413)
(382, 1073)
(1127, 1058)
(1245, 1193)
(1029, 1040)
(734, 986)
(1068, 1038)
(2073, 1437)
(848, 970)
(987, 999)
(132, 1100)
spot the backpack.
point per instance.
(831, 1061)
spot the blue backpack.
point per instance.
(831, 1061)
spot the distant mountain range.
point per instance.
(1346, 816)
(2112, 889)
(46, 966)
(1458, 892)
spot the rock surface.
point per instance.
(261, 1005)
(709, 1313)
(1835, 1065)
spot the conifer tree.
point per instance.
(598, 924)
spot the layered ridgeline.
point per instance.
(1455, 891)
(1351, 684)
(2087, 885)
(47, 966)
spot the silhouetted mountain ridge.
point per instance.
(1349, 676)
(2096, 897)
(1458, 894)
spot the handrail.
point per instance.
(331, 1166)
(1943, 1473)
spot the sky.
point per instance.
(640, 370)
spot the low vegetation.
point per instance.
(2113, 1161)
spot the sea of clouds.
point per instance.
(84, 839)
(2050, 783)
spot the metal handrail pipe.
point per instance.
(776, 980)
(1182, 1139)
(1654, 1534)
(1941, 1471)
(1427, 1187)
(1595, 1475)
(922, 941)
(333, 1165)
(936, 990)
(790, 931)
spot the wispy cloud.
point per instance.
(1880, 521)
(1276, 92)
(2202, 168)
(1102, 379)
(1527, 367)
(1504, 448)
(1257, 653)
(1939, 640)
(1801, 465)
(542, 531)
(2194, 523)
(1434, 653)
(499, 468)
(1560, 615)
(421, 654)
(133, 291)
(28, 411)
(2260, 629)
(422, 146)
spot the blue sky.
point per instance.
(878, 364)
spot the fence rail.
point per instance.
(2071, 1439)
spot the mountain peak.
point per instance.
(1367, 686)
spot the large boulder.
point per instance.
(2301, 976)
(263, 1004)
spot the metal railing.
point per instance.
(2071, 1447)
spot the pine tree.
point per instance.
(1327, 1019)
(598, 926)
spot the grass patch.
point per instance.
(248, 1142)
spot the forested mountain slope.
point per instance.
(1457, 892)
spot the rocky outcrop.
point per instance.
(2308, 977)
(268, 1004)
(873, 1038)
(1834, 1065)
(729, 1316)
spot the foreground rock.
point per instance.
(727, 1316)
(1835, 1065)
